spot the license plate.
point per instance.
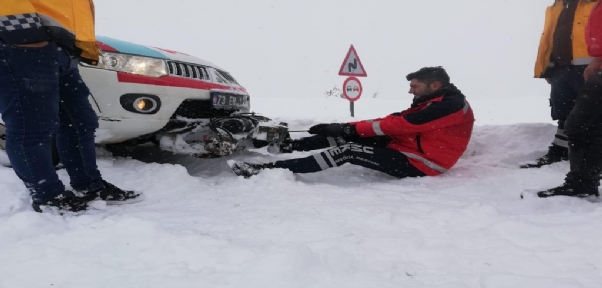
(230, 101)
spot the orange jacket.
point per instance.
(580, 55)
(70, 23)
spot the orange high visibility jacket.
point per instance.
(70, 23)
(580, 54)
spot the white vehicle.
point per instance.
(180, 102)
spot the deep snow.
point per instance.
(201, 226)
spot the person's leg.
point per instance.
(585, 156)
(565, 86)
(560, 144)
(584, 130)
(384, 160)
(78, 122)
(565, 89)
(567, 82)
(576, 80)
(562, 96)
(314, 143)
(29, 99)
(584, 118)
(304, 144)
(320, 142)
(75, 139)
(583, 179)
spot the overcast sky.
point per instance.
(294, 48)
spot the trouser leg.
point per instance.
(561, 141)
(381, 159)
(584, 130)
(585, 156)
(320, 142)
(315, 142)
(78, 123)
(567, 82)
(565, 87)
(29, 100)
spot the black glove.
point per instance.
(317, 129)
(334, 130)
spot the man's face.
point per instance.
(419, 89)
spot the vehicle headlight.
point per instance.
(146, 66)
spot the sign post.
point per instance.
(352, 88)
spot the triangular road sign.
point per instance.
(352, 66)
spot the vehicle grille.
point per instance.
(227, 76)
(200, 109)
(187, 70)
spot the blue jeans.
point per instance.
(43, 97)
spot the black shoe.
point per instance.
(66, 201)
(247, 169)
(555, 154)
(567, 189)
(113, 195)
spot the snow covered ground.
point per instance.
(201, 226)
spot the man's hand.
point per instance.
(333, 130)
(317, 129)
(592, 68)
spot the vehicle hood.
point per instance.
(115, 45)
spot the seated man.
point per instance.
(426, 139)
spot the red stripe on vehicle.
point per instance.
(105, 47)
(171, 81)
(171, 51)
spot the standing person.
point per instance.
(561, 59)
(42, 96)
(584, 124)
(426, 139)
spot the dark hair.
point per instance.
(429, 75)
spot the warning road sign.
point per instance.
(352, 66)
(352, 89)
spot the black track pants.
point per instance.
(585, 157)
(584, 130)
(375, 156)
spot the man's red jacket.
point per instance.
(433, 133)
(593, 32)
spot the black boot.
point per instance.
(583, 180)
(66, 201)
(113, 195)
(555, 154)
(572, 190)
